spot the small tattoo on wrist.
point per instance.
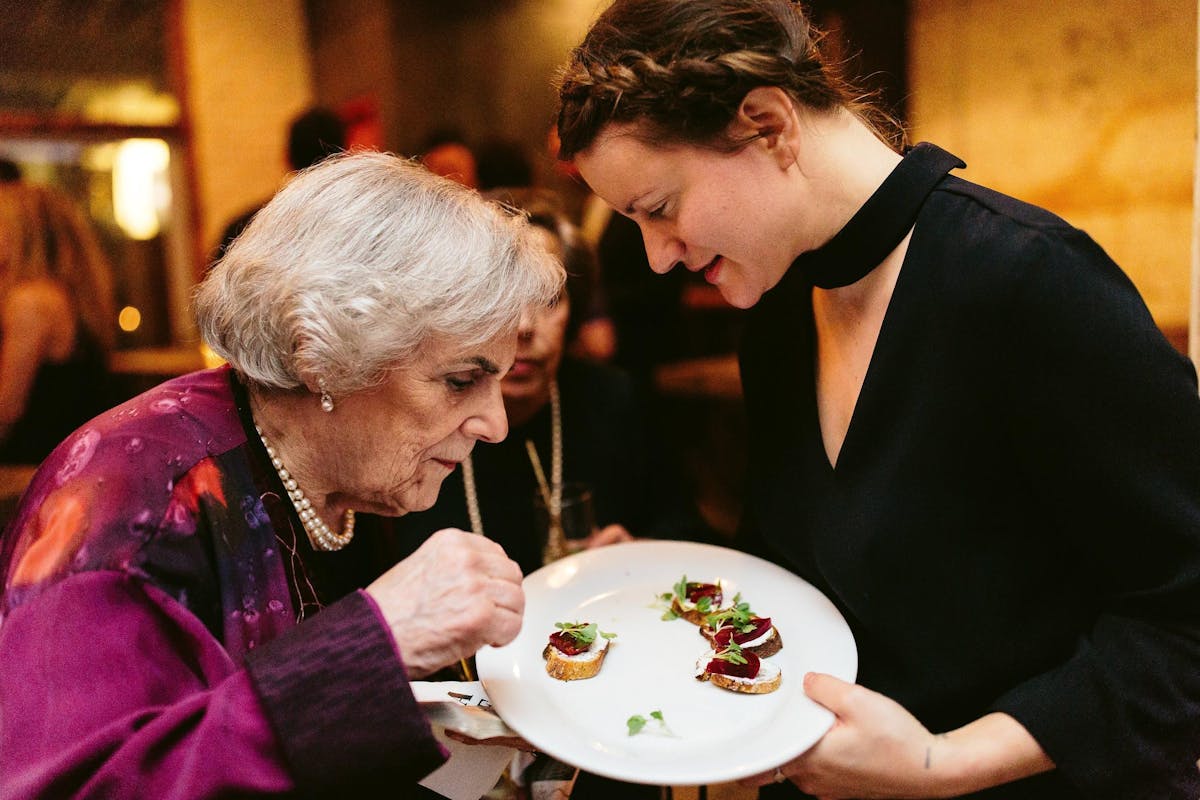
(929, 751)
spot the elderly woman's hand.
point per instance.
(456, 593)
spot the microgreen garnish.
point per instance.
(732, 653)
(663, 602)
(637, 722)
(681, 588)
(583, 634)
(738, 615)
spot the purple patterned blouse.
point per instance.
(157, 627)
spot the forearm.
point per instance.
(992, 750)
(87, 716)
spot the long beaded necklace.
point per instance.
(319, 533)
(556, 545)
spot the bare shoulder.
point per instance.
(28, 301)
(40, 312)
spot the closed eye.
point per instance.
(460, 382)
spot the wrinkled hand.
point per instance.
(456, 593)
(875, 749)
(609, 534)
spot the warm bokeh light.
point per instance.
(130, 319)
(140, 187)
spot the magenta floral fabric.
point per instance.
(141, 570)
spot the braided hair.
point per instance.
(682, 68)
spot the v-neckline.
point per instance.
(867, 239)
(862, 401)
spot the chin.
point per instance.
(741, 300)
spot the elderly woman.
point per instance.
(181, 611)
(581, 423)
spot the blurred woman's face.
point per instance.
(540, 341)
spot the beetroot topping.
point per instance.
(695, 591)
(739, 634)
(567, 644)
(735, 662)
(573, 638)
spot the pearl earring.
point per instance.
(326, 397)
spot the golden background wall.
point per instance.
(1087, 108)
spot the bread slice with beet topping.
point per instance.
(740, 625)
(738, 670)
(576, 651)
(694, 601)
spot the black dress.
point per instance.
(63, 397)
(1013, 523)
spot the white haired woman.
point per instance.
(183, 611)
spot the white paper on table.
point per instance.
(472, 769)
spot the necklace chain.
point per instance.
(556, 542)
(319, 533)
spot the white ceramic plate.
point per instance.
(717, 735)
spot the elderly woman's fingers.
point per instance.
(507, 626)
(507, 596)
(456, 593)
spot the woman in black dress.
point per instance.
(965, 427)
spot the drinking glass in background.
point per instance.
(577, 521)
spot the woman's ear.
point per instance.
(769, 113)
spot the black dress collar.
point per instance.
(881, 223)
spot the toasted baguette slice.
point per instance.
(767, 680)
(756, 685)
(578, 667)
(768, 648)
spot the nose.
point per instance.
(489, 422)
(663, 249)
(525, 326)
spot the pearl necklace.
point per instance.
(319, 533)
(556, 541)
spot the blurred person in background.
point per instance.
(9, 171)
(188, 609)
(312, 136)
(447, 153)
(503, 163)
(57, 322)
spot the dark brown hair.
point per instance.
(683, 67)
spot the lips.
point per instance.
(450, 465)
(712, 272)
(523, 368)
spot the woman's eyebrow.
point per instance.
(485, 364)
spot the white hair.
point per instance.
(356, 263)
